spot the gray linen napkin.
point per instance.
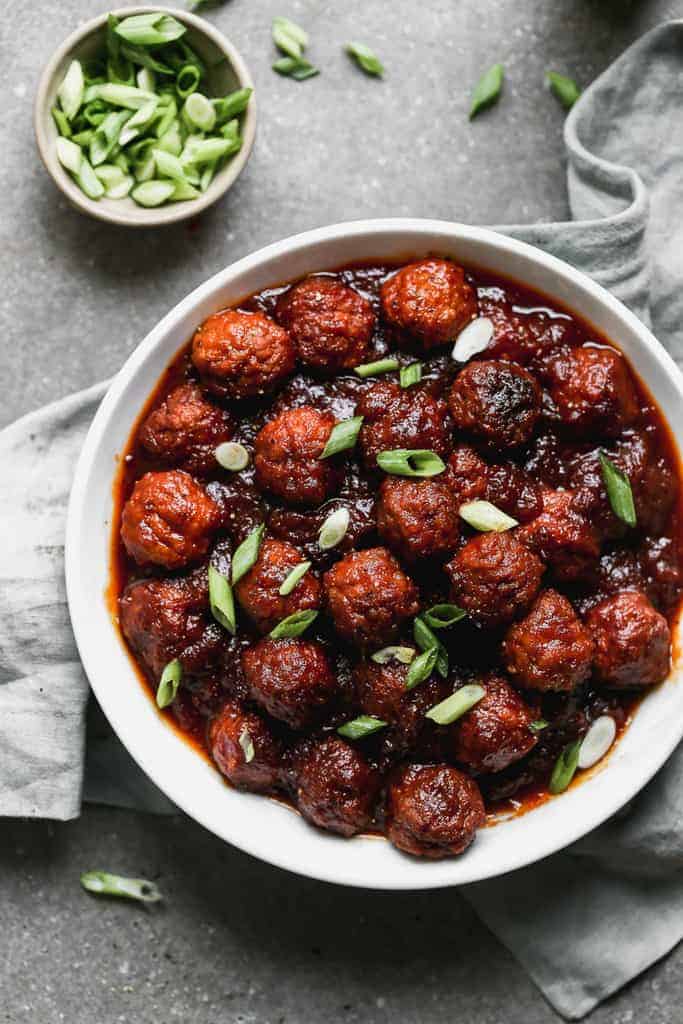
(583, 922)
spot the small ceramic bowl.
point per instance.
(227, 72)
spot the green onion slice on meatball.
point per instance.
(565, 768)
(294, 625)
(246, 554)
(618, 487)
(422, 667)
(221, 600)
(292, 578)
(358, 728)
(485, 517)
(343, 436)
(411, 462)
(169, 683)
(455, 706)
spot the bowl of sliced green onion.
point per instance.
(145, 116)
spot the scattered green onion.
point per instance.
(411, 462)
(294, 625)
(403, 654)
(487, 89)
(296, 68)
(232, 456)
(342, 437)
(247, 745)
(153, 193)
(484, 516)
(422, 667)
(246, 554)
(455, 706)
(154, 29)
(619, 491)
(292, 578)
(333, 530)
(379, 366)
(169, 683)
(365, 58)
(410, 375)
(72, 89)
(441, 616)
(426, 639)
(105, 884)
(565, 768)
(565, 89)
(360, 727)
(289, 37)
(539, 725)
(221, 600)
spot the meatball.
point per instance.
(466, 474)
(494, 578)
(522, 337)
(592, 391)
(287, 457)
(495, 732)
(563, 537)
(245, 750)
(396, 417)
(433, 810)
(418, 518)
(369, 596)
(290, 679)
(632, 641)
(242, 355)
(496, 402)
(550, 649)
(258, 592)
(504, 484)
(186, 429)
(168, 520)
(331, 325)
(335, 787)
(431, 301)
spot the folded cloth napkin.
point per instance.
(583, 922)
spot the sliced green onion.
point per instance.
(565, 89)
(62, 122)
(539, 725)
(145, 168)
(247, 745)
(232, 456)
(296, 68)
(294, 625)
(207, 176)
(202, 151)
(187, 80)
(143, 58)
(72, 90)
(403, 654)
(88, 181)
(171, 678)
(106, 136)
(105, 884)
(83, 138)
(410, 375)
(183, 190)
(411, 462)
(342, 437)
(365, 58)
(140, 119)
(69, 155)
(487, 89)
(426, 639)
(288, 37)
(360, 727)
(597, 741)
(565, 768)
(484, 516)
(291, 580)
(168, 119)
(199, 111)
(221, 600)
(455, 706)
(94, 113)
(619, 491)
(171, 141)
(422, 667)
(145, 79)
(128, 96)
(441, 616)
(473, 339)
(150, 29)
(333, 530)
(152, 193)
(247, 553)
(231, 105)
(168, 166)
(117, 183)
(379, 366)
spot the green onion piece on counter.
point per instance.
(152, 193)
(360, 727)
(247, 745)
(69, 155)
(294, 625)
(154, 29)
(539, 725)
(342, 437)
(365, 58)
(246, 554)
(296, 68)
(199, 112)
(230, 106)
(105, 884)
(484, 516)
(62, 122)
(565, 768)
(171, 678)
(379, 366)
(422, 667)
(411, 374)
(426, 639)
(441, 616)
(88, 181)
(565, 89)
(288, 37)
(411, 462)
(455, 706)
(291, 580)
(333, 530)
(221, 600)
(618, 487)
(487, 89)
(72, 90)
(403, 654)
(232, 455)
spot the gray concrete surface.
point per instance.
(238, 941)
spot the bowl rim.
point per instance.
(142, 217)
(455, 871)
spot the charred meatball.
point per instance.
(494, 578)
(563, 537)
(396, 417)
(287, 457)
(592, 391)
(495, 732)
(186, 429)
(418, 518)
(430, 301)
(496, 402)
(331, 325)
(258, 592)
(335, 787)
(242, 355)
(168, 520)
(369, 596)
(290, 679)
(550, 649)
(433, 810)
(245, 750)
(632, 641)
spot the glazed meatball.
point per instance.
(335, 787)
(522, 337)
(186, 429)
(168, 520)
(504, 484)
(494, 578)
(287, 457)
(245, 750)
(496, 402)
(433, 810)
(632, 641)
(396, 417)
(495, 732)
(466, 474)
(331, 325)
(369, 596)
(430, 301)
(242, 355)
(592, 391)
(563, 537)
(258, 592)
(418, 518)
(290, 679)
(550, 649)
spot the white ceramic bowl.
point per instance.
(264, 827)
